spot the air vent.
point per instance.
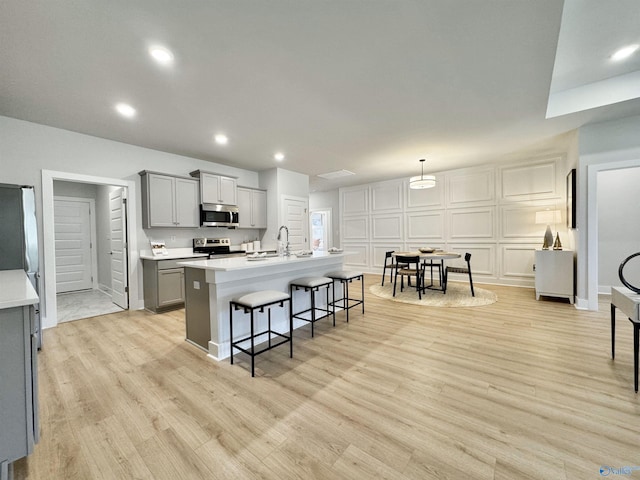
(336, 174)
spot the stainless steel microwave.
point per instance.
(212, 215)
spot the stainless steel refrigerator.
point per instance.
(19, 237)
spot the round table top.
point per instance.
(429, 256)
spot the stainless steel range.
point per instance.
(216, 247)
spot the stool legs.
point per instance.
(280, 338)
(345, 294)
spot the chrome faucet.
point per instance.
(287, 251)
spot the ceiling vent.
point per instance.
(336, 174)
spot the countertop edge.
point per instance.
(16, 289)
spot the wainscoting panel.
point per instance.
(483, 258)
(517, 260)
(387, 227)
(529, 182)
(425, 225)
(386, 196)
(475, 223)
(488, 211)
(519, 222)
(471, 188)
(360, 257)
(355, 228)
(426, 198)
(378, 252)
(354, 200)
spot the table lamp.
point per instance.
(548, 217)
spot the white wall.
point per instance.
(488, 211)
(618, 226)
(279, 182)
(28, 148)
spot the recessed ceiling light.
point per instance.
(279, 156)
(623, 53)
(221, 139)
(126, 110)
(161, 55)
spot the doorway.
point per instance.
(320, 223)
(49, 297)
(587, 267)
(85, 287)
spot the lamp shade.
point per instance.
(548, 217)
(422, 181)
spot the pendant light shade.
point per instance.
(422, 180)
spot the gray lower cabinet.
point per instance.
(163, 284)
(18, 386)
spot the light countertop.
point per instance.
(172, 254)
(16, 289)
(240, 263)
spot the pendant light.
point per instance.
(422, 180)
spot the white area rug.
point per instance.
(458, 295)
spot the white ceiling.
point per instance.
(369, 86)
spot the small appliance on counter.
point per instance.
(216, 247)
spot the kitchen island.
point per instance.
(211, 284)
(19, 429)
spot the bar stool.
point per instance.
(259, 301)
(345, 277)
(312, 284)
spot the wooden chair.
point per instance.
(408, 266)
(467, 270)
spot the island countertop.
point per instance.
(16, 289)
(241, 263)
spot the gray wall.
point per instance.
(618, 226)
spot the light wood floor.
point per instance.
(516, 390)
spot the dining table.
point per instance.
(428, 259)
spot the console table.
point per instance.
(629, 302)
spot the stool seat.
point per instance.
(312, 285)
(263, 297)
(311, 282)
(344, 274)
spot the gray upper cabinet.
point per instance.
(217, 189)
(169, 201)
(252, 207)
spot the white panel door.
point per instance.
(118, 222)
(72, 223)
(296, 220)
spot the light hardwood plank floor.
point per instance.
(521, 389)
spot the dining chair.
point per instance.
(408, 266)
(467, 270)
(388, 264)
